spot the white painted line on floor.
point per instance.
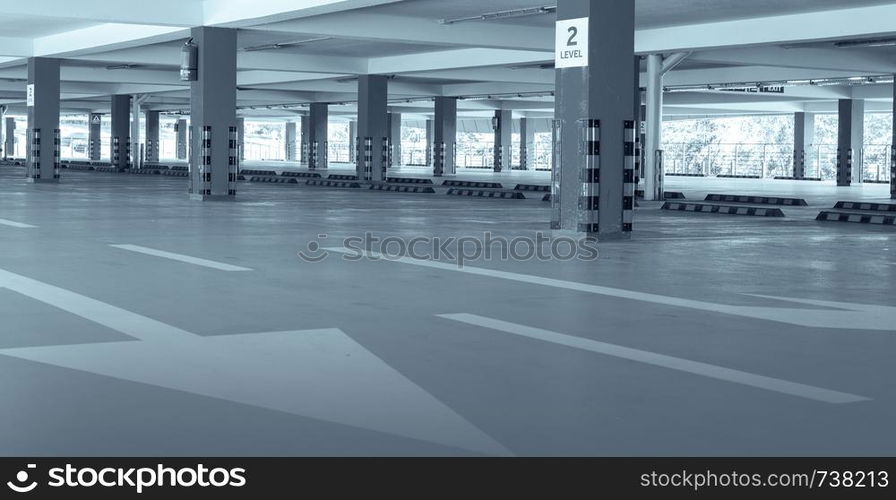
(11, 223)
(700, 238)
(840, 315)
(182, 258)
(661, 360)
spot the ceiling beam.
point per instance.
(240, 13)
(15, 47)
(417, 30)
(104, 37)
(160, 12)
(748, 74)
(255, 60)
(452, 59)
(779, 29)
(804, 58)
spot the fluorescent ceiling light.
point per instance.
(503, 14)
(878, 42)
(283, 45)
(122, 66)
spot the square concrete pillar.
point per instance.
(120, 140)
(503, 126)
(241, 137)
(428, 154)
(595, 107)
(94, 136)
(527, 144)
(850, 139)
(318, 118)
(151, 147)
(9, 148)
(893, 151)
(803, 137)
(180, 129)
(289, 137)
(394, 127)
(213, 156)
(304, 148)
(352, 140)
(444, 133)
(373, 132)
(42, 151)
(642, 130)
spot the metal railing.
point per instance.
(264, 151)
(339, 152)
(768, 160)
(413, 153)
(481, 155)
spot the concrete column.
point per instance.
(527, 144)
(850, 137)
(394, 121)
(444, 133)
(152, 136)
(9, 148)
(213, 113)
(893, 151)
(3, 109)
(241, 136)
(290, 140)
(372, 129)
(803, 136)
(352, 140)
(136, 146)
(654, 127)
(642, 129)
(94, 136)
(181, 139)
(428, 154)
(596, 194)
(120, 141)
(43, 119)
(503, 125)
(304, 148)
(319, 116)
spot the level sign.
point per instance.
(29, 92)
(572, 43)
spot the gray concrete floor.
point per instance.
(105, 351)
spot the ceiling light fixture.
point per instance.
(122, 66)
(283, 45)
(877, 42)
(503, 14)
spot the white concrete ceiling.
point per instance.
(121, 46)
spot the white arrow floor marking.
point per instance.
(656, 359)
(842, 315)
(322, 374)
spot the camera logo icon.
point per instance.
(19, 485)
